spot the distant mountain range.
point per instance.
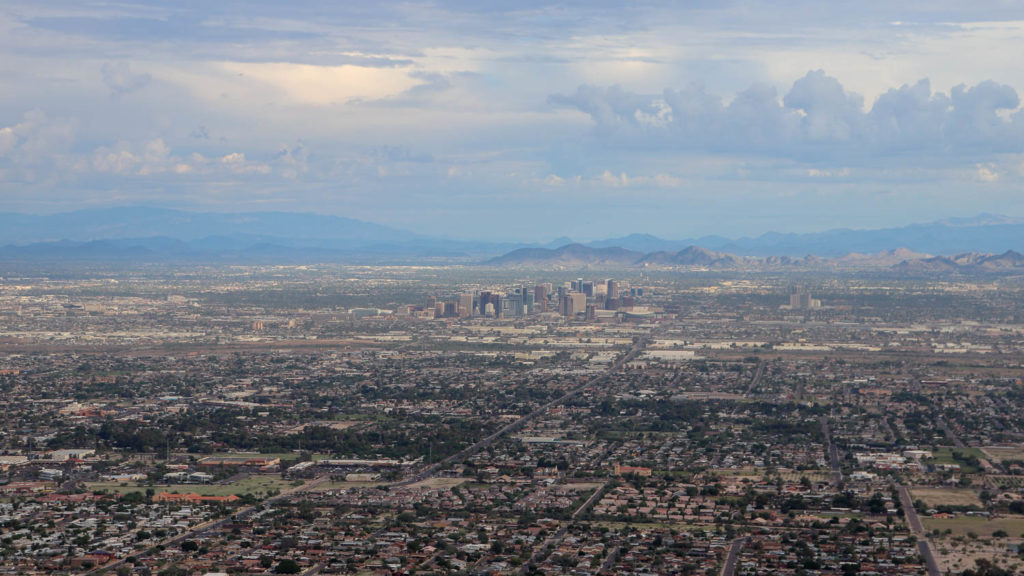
(578, 256)
(144, 234)
(984, 233)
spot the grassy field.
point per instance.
(983, 527)
(1001, 453)
(944, 455)
(282, 455)
(256, 485)
(933, 497)
(745, 471)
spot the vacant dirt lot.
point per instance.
(933, 497)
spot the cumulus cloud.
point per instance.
(155, 157)
(34, 146)
(236, 163)
(817, 119)
(7, 140)
(152, 157)
(120, 79)
(987, 172)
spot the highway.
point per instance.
(758, 374)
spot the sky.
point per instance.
(519, 120)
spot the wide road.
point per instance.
(473, 449)
(914, 522)
(833, 453)
(758, 374)
(732, 558)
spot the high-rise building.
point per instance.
(451, 309)
(540, 297)
(612, 290)
(587, 288)
(510, 306)
(573, 303)
(611, 301)
(465, 304)
(799, 299)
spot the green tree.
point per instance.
(287, 566)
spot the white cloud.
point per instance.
(292, 84)
(609, 179)
(37, 138)
(118, 161)
(816, 120)
(7, 140)
(818, 173)
(987, 173)
(659, 180)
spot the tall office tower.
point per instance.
(451, 309)
(591, 312)
(465, 304)
(627, 302)
(612, 290)
(482, 299)
(587, 288)
(511, 306)
(540, 297)
(574, 303)
(802, 300)
(794, 297)
(439, 309)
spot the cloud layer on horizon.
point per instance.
(727, 117)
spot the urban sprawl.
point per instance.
(467, 420)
